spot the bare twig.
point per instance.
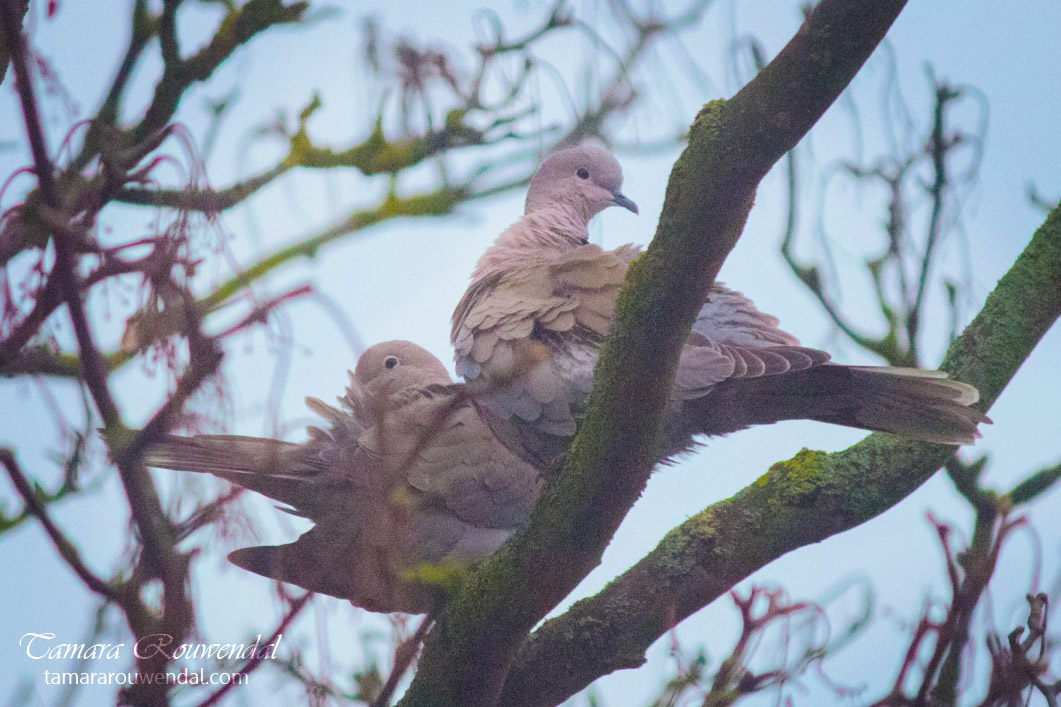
(92, 365)
(67, 550)
(403, 658)
(1035, 484)
(256, 660)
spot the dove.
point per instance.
(405, 477)
(527, 333)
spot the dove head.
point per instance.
(387, 369)
(584, 179)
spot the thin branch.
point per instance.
(239, 26)
(939, 146)
(205, 360)
(403, 658)
(92, 365)
(207, 514)
(258, 657)
(435, 203)
(966, 477)
(67, 550)
(46, 301)
(206, 200)
(1035, 484)
(43, 361)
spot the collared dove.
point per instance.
(405, 475)
(541, 300)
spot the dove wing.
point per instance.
(731, 339)
(509, 328)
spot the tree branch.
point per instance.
(731, 147)
(239, 27)
(143, 500)
(67, 550)
(375, 155)
(256, 660)
(435, 203)
(801, 501)
(64, 270)
(15, 359)
(5, 56)
(1035, 484)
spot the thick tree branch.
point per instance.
(801, 501)
(20, 7)
(731, 147)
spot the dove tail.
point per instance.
(256, 463)
(301, 563)
(339, 565)
(922, 405)
(215, 454)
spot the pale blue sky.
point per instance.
(402, 280)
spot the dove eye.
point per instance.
(583, 173)
(390, 362)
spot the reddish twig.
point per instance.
(258, 657)
(92, 365)
(403, 657)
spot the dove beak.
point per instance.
(620, 200)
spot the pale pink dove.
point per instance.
(406, 475)
(542, 298)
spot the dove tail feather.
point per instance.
(922, 405)
(215, 454)
(256, 463)
(339, 566)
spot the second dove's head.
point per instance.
(389, 368)
(585, 179)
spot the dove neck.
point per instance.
(538, 232)
(558, 226)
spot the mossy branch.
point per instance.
(238, 27)
(732, 145)
(797, 502)
(436, 203)
(372, 156)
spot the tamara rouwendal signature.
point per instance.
(42, 646)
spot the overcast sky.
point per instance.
(402, 280)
